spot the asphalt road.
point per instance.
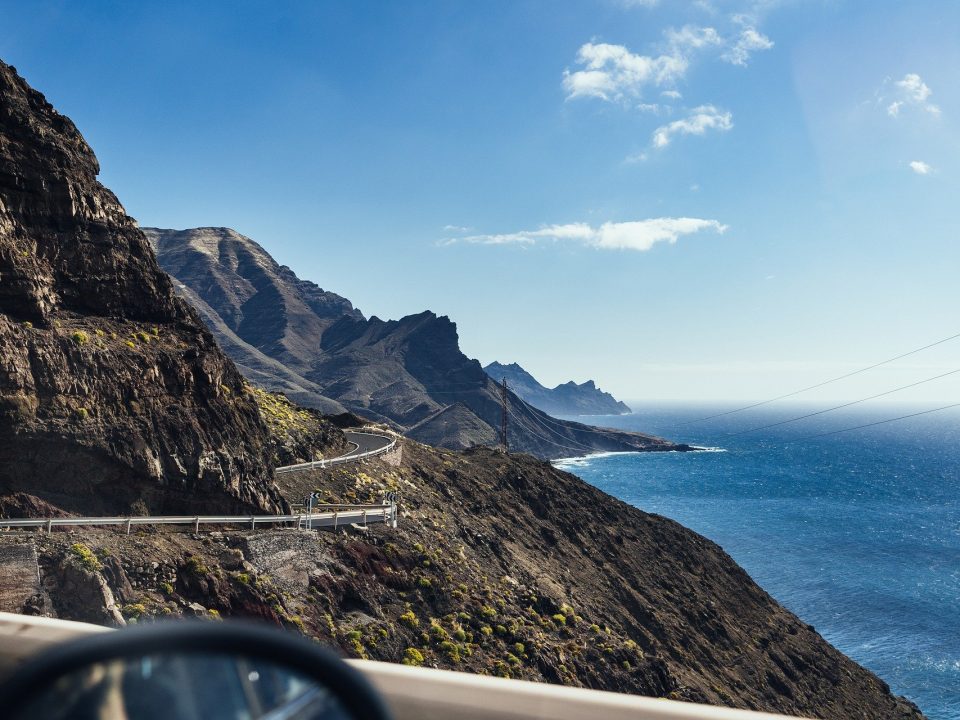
(365, 442)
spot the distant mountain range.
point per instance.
(290, 335)
(566, 399)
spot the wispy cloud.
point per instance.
(456, 228)
(920, 167)
(637, 235)
(611, 72)
(700, 119)
(911, 91)
(691, 37)
(749, 41)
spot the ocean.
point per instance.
(857, 533)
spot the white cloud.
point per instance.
(457, 228)
(671, 94)
(638, 158)
(750, 40)
(920, 167)
(690, 37)
(914, 92)
(914, 87)
(651, 108)
(611, 72)
(637, 235)
(700, 119)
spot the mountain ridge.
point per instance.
(400, 372)
(567, 398)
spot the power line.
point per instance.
(837, 407)
(598, 429)
(825, 382)
(536, 434)
(879, 422)
(539, 421)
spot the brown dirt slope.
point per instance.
(501, 565)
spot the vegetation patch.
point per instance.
(86, 557)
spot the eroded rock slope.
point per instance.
(113, 395)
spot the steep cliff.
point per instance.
(568, 398)
(495, 568)
(315, 347)
(113, 394)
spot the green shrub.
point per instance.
(130, 344)
(409, 619)
(559, 619)
(86, 557)
(519, 647)
(488, 612)
(134, 611)
(424, 582)
(451, 649)
(166, 588)
(437, 632)
(486, 630)
(80, 337)
(196, 566)
(513, 659)
(412, 656)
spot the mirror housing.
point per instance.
(97, 671)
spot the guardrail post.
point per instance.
(336, 515)
(253, 522)
(129, 523)
(196, 524)
(393, 513)
(50, 525)
(364, 519)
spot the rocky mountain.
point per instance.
(494, 568)
(289, 335)
(565, 399)
(114, 397)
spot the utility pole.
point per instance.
(503, 417)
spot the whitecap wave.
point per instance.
(585, 460)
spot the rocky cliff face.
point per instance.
(566, 399)
(113, 395)
(289, 335)
(494, 568)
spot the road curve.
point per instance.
(365, 443)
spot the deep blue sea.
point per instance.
(857, 533)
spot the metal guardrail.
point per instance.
(343, 515)
(343, 459)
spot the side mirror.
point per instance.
(190, 671)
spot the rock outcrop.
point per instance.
(568, 398)
(497, 568)
(320, 351)
(113, 394)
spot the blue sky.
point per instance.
(725, 199)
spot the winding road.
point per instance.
(366, 444)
